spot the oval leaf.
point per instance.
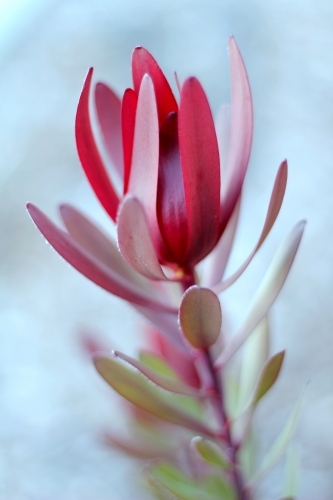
(200, 317)
(140, 391)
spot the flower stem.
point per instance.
(219, 403)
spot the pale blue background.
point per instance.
(53, 405)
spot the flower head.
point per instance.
(182, 177)
(168, 157)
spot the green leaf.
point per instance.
(292, 469)
(255, 355)
(200, 317)
(139, 390)
(210, 452)
(267, 292)
(158, 364)
(186, 488)
(216, 485)
(280, 444)
(268, 376)
(167, 383)
(247, 455)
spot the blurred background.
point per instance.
(54, 407)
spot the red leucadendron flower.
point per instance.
(182, 178)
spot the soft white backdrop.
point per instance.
(53, 405)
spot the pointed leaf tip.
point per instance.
(200, 317)
(268, 376)
(89, 155)
(140, 391)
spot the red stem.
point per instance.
(218, 401)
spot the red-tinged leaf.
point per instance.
(180, 359)
(167, 323)
(222, 125)
(128, 111)
(200, 317)
(268, 376)
(171, 206)
(167, 383)
(108, 108)
(90, 343)
(140, 391)
(240, 133)
(134, 240)
(201, 170)
(144, 171)
(94, 241)
(144, 63)
(89, 156)
(274, 207)
(267, 292)
(89, 266)
(216, 262)
(135, 448)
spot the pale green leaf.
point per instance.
(280, 444)
(268, 376)
(267, 292)
(167, 383)
(210, 488)
(292, 470)
(255, 355)
(139, 390)
(210, 452)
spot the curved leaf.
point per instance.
(94, 241)
(134, 240)
(89, 156)
(279, 446)
(186, 488)
(89, 266)
(171, 206)
(216, 261)
(128, 111)
(144, 63)
(169, 384)
(240, 134)
(144, 170)
(140, 391)
(201, 170)
(275, 204)
(255, 355)
(200, 317)
(108, 108)
(267, 292)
